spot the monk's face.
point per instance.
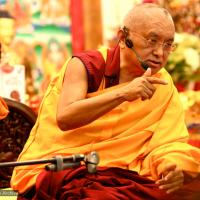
(153, 39)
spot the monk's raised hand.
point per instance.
(142, 87)
(153, 80)
(172, 178)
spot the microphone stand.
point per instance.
(59, 162)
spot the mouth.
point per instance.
(154, 64)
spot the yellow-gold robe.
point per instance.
(140, 135)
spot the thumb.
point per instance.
(147, 72)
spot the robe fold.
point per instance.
(140, 136)
(3, 109)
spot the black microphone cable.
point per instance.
(130, 45)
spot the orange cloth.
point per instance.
(140, 135)
(3, 109)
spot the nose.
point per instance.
(158, 50)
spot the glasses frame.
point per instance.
(150, 43)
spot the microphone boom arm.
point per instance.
(59, 162)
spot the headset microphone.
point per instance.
(129, 44)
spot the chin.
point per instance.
(154, 71)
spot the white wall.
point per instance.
(113, 12)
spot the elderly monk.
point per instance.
(3, 109)
(121, 103)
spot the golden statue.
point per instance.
(7, 34)
(11, 53)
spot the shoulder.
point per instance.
(94, 64)
(91, 58)
(163, 73)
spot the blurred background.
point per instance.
(37, 37)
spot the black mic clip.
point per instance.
(129, 43)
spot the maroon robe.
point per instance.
(107, 184)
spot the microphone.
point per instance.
(130, 45)
(91, 161)
(59, 162)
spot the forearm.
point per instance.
(75, 110)
(84, 111)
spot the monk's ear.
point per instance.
(120, 35)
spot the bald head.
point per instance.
(142, 15)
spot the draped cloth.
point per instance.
(3, 109)
(140, 136)
(108, 183)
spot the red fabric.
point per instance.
(77, 28)
(107, 184)
(194, 142)
(197, 86)
(112, 69)
(97, 67)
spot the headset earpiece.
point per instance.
(129, 43)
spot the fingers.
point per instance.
(148, 91)
(147, 72)
(169, 173)
(174, 174)
(146, 94)
(171, 187)
(154, 80)
(148, 82)
(169, 167)
(142, 87)
(174, 184)
(149, 88)
(172, 180)
(171, 177)
(172, 190)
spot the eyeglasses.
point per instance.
(153, 43)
